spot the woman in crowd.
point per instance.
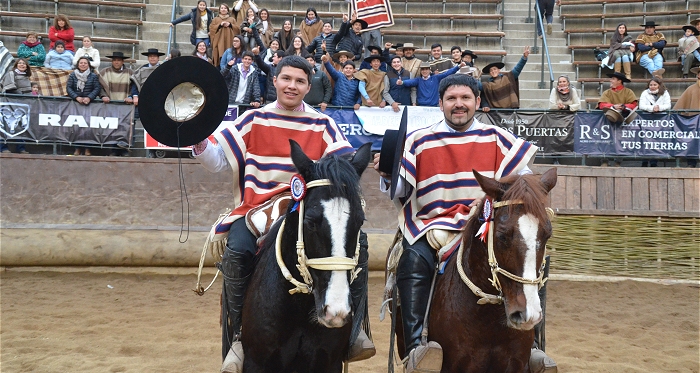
(201, 51)
(234, 53)
(62, 30)
(83, 86)
(297, 48)
(59, 57)
(620, 52)
(201, 18)
(221, 32)
(251, 22)
(395, 94)
(267, 31)
(240, 10)
(285, 35)
(273, 47)
(655, 98)
(87, 50)
(311, 26)
(564, 96)
(18, 80)
(32, 50)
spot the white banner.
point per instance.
(377, 120)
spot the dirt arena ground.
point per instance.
(148, 320)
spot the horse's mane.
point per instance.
(343, 177)
(531, 191)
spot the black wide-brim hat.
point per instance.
(650, 24)
(157, 89)
(488, 67)
(391, 153)
(152, 51)
(695, 30)
(362, 22)
(467, 52)
(620, 76)
(371, 57)
(118, 55)
(374, 48)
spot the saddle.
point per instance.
(259, 219)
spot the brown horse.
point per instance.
(478, 333)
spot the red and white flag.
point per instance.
(377, 13)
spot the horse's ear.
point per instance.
(490, 186)
(549, 179)
(302, 162)
(361, 158)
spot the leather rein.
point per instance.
(489, 226)
(330, 263)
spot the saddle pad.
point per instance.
(259, 219)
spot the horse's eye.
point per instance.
(311, 223)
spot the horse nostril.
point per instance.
(516, 317)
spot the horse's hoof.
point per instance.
(362, 348)
(234, 359)
(425, 359)
(541, 363)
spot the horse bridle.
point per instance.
(486, 298)
(330, 263)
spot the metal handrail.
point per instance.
(172, 36)
(541, 84)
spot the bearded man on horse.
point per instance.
(435, 191)
(256, 147)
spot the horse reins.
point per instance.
(486, 298)
(331, 263)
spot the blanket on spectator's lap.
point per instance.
(52, 82)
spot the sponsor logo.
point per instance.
(14, 118)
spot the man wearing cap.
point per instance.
(688, 48)
(690, 100)
(468, 58)
(261, 137)
(142, 73)
(115, 80)
(431, 214)
(427, 84)
(409, 61)
(348, 37)
(372, 82)
(376, 51)
(502, 90)
(438, 63)
(650, 45)
(346, 90)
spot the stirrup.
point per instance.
(362, 348)
(234, 359)
(425, 359)
(541, 363)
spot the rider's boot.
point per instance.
(236, 268)
(414, 275)
(362, 347)
(539, 361)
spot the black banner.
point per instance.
(64, 121)
(552, 132)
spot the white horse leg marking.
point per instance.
(528, 229)
(336, 212)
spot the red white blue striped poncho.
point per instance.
(438, 165)
(257, 148)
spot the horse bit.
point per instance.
(331, 263)
(493, 263)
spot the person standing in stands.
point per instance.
(502, 90)
(469, 57)
(298, 48)
(438, 63)
(456, 53)
(242, 81)
(346, 92)
(269, 70)
(409, 61)
(59, 57)
(371, 37)
(251, 23)
(285, 35)
(395, 94)
(238, 46)
(376, 51)
(17, 80)
(116, 79)
(87, 50)
(322, 42)
(546, 11)
(267, 31)
(427, 84)
(138, 78)
(63, 31)
(372, 82)
(240, 10)
(32, 50)
(650, 47)
(201, 18)
(310, 27)
(221, 31)
(321, 91)
(348, 37)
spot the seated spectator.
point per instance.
(468, 58)
(238, 46)
(174, 53)
(688, 46)
(83, 86)
(650, 47)
(32, 50)
(285, 35)
(201, 51)
(427, 84)
(397, 94)
(138, 78)
(322, 42)
(270, 51)
(63, 31)
(618, 97)
(251, 23)
(346, 91)
(348, 37)
(269, 69)
(655, 98)
(17, 80)
(409, 60)
(376, 51)
(87, 50)
(320, 92)
(502, 90)
(372, 82)
(59, 58)
(310, 27)
(564, 96)
(690, 100)
(242, 81)
(116, 79)
(620, 51)
(456, 53)
(221, 32)
(298, 48)
(438, 63)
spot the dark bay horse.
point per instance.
(493, 332)
(307, 331)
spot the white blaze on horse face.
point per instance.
(528, 226)
(336, 212)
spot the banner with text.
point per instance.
(64, 121)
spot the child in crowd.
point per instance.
(687, 46)
(35, 89)
(87, 50)
(60, 57)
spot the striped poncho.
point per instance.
(438, 164)
(256, 146)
